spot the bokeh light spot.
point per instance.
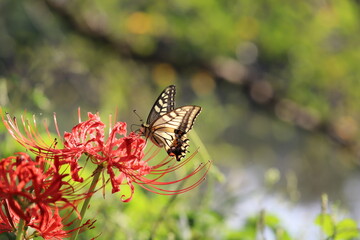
(261, 91)
(230, 69)
(203, 83)
(346, 128)
(248, 28)
(139, 23)
(247, 53)
(164, 74)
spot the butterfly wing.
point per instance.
(179, 147)
(164, 103)
(170, 130)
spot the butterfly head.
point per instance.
(144, 129)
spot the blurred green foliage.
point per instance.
(278, 82)
(342, 230)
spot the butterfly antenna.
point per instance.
(137, 124)
(138, 116)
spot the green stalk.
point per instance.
(20, 231)
(95, 180)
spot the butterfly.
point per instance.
(167, 126)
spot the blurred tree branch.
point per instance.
(99, 34)
(259, 92)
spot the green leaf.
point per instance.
(346, 229)
(282, 234)
(271, 220)
(326, 223)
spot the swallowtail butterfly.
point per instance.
(167, 126)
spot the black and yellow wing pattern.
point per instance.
(167, 126)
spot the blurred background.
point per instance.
(279, 83)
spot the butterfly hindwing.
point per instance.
(167, 127)
(179, 147)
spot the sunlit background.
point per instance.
(279, 83)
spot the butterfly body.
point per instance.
(167, 126)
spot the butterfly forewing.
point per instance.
(163, 104)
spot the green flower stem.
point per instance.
(20, 231)
(95, 180)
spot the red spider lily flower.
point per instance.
(120, 155)
(47, 223)
(34, 190)
(126, 155)
(123, 158)
(31, 138)
(8, 219)
(24, 182)
(85, 138)
(50, 225)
